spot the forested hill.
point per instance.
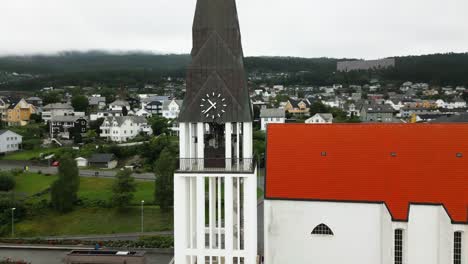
(95, 61)
(105, 68)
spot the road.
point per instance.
(9, 165)
(111, 237)
(57, 256)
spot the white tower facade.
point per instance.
(215, 199)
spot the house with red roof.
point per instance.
(366, 194)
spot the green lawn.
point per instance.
(32, 183)
(101, 189)
(84, 221)
(88, 221)
(29, 154)
(90, 188)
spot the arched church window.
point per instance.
(457, 248)
(322, 229)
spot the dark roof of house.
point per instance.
(58, 106)
(95, 100)
(393, 164)
(378, 108)
(3, 131)
(295, 103)
(119, 103)
(273, 112)
(155, 103)
(68, 118)
(101, 158)
(456, 118)
(121, 119)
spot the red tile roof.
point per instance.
(397, 164)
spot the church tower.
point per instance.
(215, 187)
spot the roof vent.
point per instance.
(323, 154)
(393, 154)
(459, 155)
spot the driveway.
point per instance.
(34, 167)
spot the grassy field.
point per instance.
(84, 221)
(90, 188)
(28, 154)
(32, 183)
(101, 189)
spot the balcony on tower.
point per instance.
(216, 165)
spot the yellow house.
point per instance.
(297, 107)
(19, 114)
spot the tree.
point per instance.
(80, 103)
(164, 170)
(96, 125)
(318, 107)
(7, 182)
(159, 125)
(51, 98)
(36, 118)
(64, 191)
(124, 111)
(123, 189)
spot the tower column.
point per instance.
(180, 216)
(228, 218)
(228, 140)
(200, 227)
(200, 145)
(247, 145)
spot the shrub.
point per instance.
(7, 182)
(16, 172)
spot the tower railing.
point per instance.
(216, 165)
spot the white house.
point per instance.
(320, 118)
(58, 109)
(119, 105)
(456, 103)
(10, 141)
(395, 104)
(341, 195)
(124, 128)
(104, 114)
(272, 116)
(81, 162)
(97, 102)
(171, 109)
(143, 113)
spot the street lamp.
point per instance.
(142, 203)
(13, 222)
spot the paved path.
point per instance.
(57, 256)
(111, 237)
(9, 165)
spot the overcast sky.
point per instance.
(309, 28)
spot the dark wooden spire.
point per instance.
(217, 63)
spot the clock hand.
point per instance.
(212, 104)
(207, 110)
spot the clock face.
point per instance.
(213, 105)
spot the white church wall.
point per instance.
(423, 235)
(387, 246)
(357, 232)
(446, 236)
